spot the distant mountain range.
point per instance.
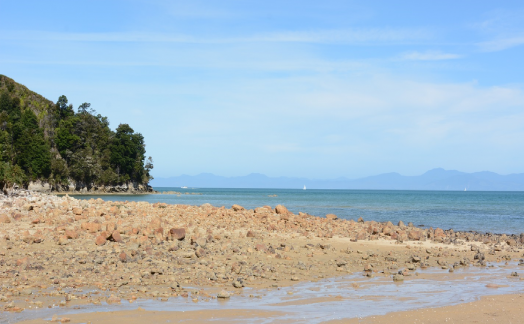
(436, 179)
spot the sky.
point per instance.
(315, 89)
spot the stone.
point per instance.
(250, 234)
(202, 242)
(122, 257)
(177, 233)
(223, 294)
(279, 209)
(331, 217)
(398, 277)
(360, 220)
(260, 247)
(4, 219)
(200, 252)
(100, 240)
(237, 284)
(116, 237)
(237, 208)
(113, 300)
(415, 235)
(71, 234)
(62, 240)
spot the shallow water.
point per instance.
(495, 212)
(336, 298)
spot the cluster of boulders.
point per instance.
(55, 247)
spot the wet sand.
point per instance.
(62, 253)
(489, 309)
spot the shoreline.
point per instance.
(59, 246)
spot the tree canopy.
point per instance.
(48, 141)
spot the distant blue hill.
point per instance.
(436, 179)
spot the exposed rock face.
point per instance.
(72, 188)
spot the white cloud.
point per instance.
(501, 44)
(429, 56)
(345, 36)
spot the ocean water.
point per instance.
(482, 211)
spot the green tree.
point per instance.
(32, 151)
(127, 153)
(10, 175)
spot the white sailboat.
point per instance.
(304, 187)
(465, 189)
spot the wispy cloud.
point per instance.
(429, 56)
(501, 44)
(346, 36)
(503, 30)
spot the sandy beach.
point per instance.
(60, 253)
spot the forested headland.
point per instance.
(59, 148)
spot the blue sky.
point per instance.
(316, 89)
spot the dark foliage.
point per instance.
(43, 140)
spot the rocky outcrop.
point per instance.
(82, 188)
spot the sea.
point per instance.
(481, 211)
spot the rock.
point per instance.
(398, 277)
(71, 234)
(201, 242)
(62, 240)
(100, 240)
(200, 252)
(237, 208)
(250, 234)
(360, 220)
(122, 257)
(260, 247)
(479, 256)
(415, 235)
(279, 209)
(5, 219)
(26, 292)
(177, 233)
(223, 294)
(77, 211)
(237, 284)
(113, 300)
(116, 236)
(331, 217)
(341, 263)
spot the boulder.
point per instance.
(116, 236)
(331, 217)
(237, 207)
(279, 209)
(100, 240)
(177, 233)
